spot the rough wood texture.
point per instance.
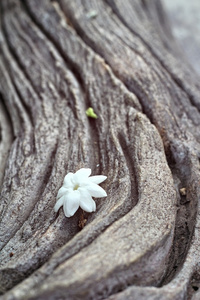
(57, 58)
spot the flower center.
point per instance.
(76, 187)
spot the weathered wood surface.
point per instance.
(57, 58)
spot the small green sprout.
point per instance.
(90, 113)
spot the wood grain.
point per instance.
(57, 59)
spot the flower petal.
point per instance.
(71, 203)
(97, 179)
(67, 182)
(95, 190)
(58, 204)
(86, 201)
(62, 191)
(81, 175)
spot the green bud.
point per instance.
(90, 113)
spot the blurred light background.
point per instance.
(184, 16)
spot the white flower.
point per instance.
(77, 190)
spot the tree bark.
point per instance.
(57, 58)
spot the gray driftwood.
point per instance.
(57, 58)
